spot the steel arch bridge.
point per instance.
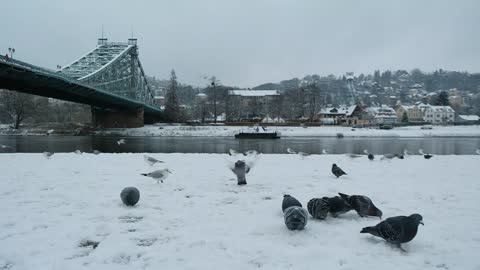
(110, 78)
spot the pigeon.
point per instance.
(96, 152)
(362, 204)
(478, 151)
(324, 152)
(428, 156)
(337, 205)
(289, 201)
(318, 208)
(47, 154)
(78, 152)
(251, 153)
(295, 218)
(121, 141)
(158, 175)
(337, 171)
(240, 169)
(371, 157)
(151, 161)
(49, 132)
(396, 230)
(353, 155)
(399, 156)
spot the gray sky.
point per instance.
(248, 42)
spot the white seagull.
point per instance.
(121, 141)
(47, 154)
(151, 161)
(158, 175)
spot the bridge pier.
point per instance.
(116, 118)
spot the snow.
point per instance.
(341, 110)
(200, 219)
(253, 93)
(287, 131)
(469, 117)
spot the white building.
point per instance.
(439, 114)
(382, 115)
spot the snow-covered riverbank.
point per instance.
(200, 219)
(324, 131)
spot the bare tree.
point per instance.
(17, 105)
(172, 108)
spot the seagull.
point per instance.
(478, 151)
(407, 153)
(6, 146)
(78, 152)
(96, 152)
(290, 151)
(388, 156)
(50, 132)
(151, 161)
(232, 152)
(47, 154)
(353, 155)
(251, 153)
(158, 175)
(324, 152)
(121, 141)
(337, 171)
(362, 204)
(301, 154)
(289, 201)
(396, 230)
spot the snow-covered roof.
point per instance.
(469, 117)
(201, 95)
(343, 110)
(253, 93)
(440, 108)
(381, 111)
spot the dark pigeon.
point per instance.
(337, 205)
(289, 201)
(400, 156)
(240, 170)
(371, 156)
(362, 204)
(427, 156)
(130, 196)
(396, 230)
(337, 171)
(295, 218)
(318, 208)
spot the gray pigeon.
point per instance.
(295, 218)
(337, 171)
(130, 196)
(396, 230)
(47, 154)
(240, 170)
(318, 208)
(371, 156)
(388, 156)
(427, 156)
(289, 201)
(337, 205)
(400, 156)
(362, 204)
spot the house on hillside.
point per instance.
(253, 105)
(439, 115)
(414, 112)
(342, 115)
(382, 115)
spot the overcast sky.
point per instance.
(249, 42)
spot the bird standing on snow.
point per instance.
(353, 155)
(121, 141)
(478, 151)
(318, 208)
(388, 156)
(295, 218)
(337, 171)
(290, 151)
(369, 155)
(78, 152)
(427, 156)
(337, 205)
(240, 169)
(396, 230)
(96, 152)
(362, 204)
(289, 201)
(151, 161)
(324, 152)
(49, 132)
(47, 154)
(158, 175)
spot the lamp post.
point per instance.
(214, 101)
(12, 51)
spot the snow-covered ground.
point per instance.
(323, 131)
(200, 219)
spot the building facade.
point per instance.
(253, 105)
(439, 115)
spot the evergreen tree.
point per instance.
(405, 117)
(442, 99)
(172, 108)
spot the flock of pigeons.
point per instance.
(395, 230)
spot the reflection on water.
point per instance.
(314, 145)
